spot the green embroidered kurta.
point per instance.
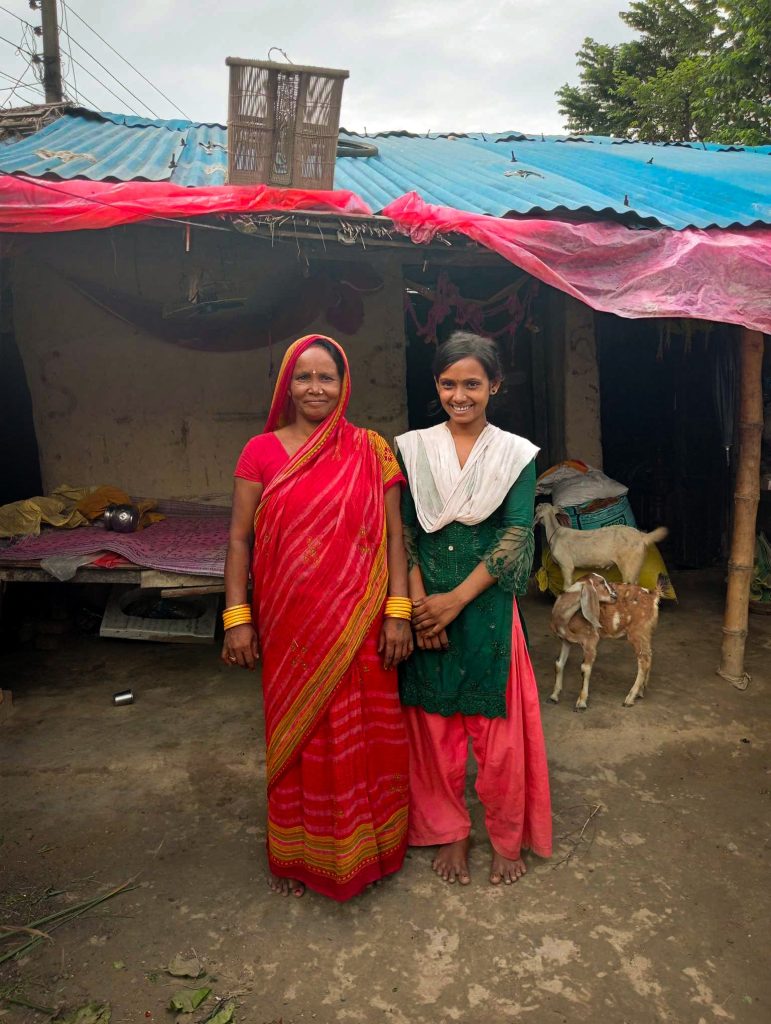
(471, 676)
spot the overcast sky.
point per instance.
(460, 65)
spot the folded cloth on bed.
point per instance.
(24, 518)
(68, 507)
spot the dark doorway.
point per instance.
(667, 428)
(19, 459)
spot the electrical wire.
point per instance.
(19, 85)
(106, 87)
(63, 29)
(28, 26)
(133, 68)
(18, 47)
(17, 17)
(31, 55)
(102, 66)
(83, 96)
(15, 78)
(63, 9)
(37, 63)
(16, 83)
(24, 100)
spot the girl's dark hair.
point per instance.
(334, 352)
(464, 345)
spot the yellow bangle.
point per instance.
(239, 622)
(236, 615)
(398, 608)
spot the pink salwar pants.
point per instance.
(512, 775)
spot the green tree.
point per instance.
(737, 96)
(698, 69)
(596, 107)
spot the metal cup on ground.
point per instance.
(124, 697)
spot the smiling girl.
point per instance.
(468, 530)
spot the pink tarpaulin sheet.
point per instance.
(721, 274)
(188, 543)
(31, 206)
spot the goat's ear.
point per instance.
(590, 605)
(610, 592)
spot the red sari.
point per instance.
(337, 757)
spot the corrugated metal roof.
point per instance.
(498, 173)
(598, 140)
(678, 187)
(117, 147)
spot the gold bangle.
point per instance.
(398, 613)
(398, 608)
(232, 625)
(237, 615)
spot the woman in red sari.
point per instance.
(316, 514)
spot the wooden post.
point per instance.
(746, 497)
(52, 67)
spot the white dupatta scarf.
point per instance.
(443, 492)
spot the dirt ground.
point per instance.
(656, 910)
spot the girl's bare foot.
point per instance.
(451, 862)
(505, 870)
(285, 886)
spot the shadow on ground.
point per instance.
(654, 908)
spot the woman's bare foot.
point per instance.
(504, 870)
(286, 886)
(451, 862)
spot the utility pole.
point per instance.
(52, 66)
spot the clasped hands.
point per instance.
(431, 614)
(430, 617)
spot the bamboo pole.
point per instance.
(746, 498)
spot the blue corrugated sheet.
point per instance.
(675, 186)
(117, 147)
(500, 173)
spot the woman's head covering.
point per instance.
(282, 410)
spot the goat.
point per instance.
(592, 609)
(622, 546)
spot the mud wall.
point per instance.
(114, 403)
